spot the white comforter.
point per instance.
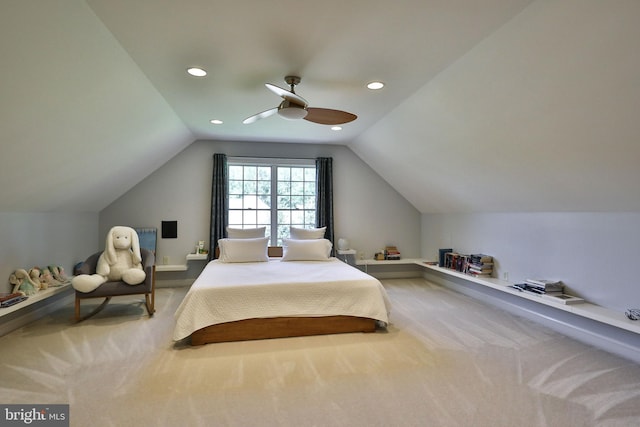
(226, 292)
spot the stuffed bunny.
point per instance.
(23, 283)
(120, 261)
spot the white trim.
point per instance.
(278, 161)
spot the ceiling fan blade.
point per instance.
(286, 94)
(259, 116)
(327, 116)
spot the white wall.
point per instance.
(367, 210)
(594, 254)
(41, 239)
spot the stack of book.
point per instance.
(7, 300)
(543, 286)
(391, 253)
(480, 265)
(552, 290)
(456, 261)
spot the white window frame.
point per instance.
(274, 164)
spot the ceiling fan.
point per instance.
(295, 107)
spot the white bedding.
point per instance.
(226, 292)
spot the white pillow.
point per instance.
(243, 250)
(307, 233)
(245, 233)
(306, 250)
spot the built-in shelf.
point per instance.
(585, 309)
(402, 261)
(389, 262)
(182, 267)
(38, 296)
(197, 257)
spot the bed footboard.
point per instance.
(281, 327)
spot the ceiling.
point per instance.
(335, 46)
(500, 105)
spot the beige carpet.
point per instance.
(447, 360)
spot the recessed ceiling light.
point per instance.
(336, 128)
(196, 72)
(216, 121)
(375, 85)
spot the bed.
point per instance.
(276, 298)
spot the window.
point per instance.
(275, 193)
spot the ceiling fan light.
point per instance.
(291, 111)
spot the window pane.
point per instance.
(235, 202)
(297, 188)
(284, 187)
(249, 217)
(310, 174)
(235, 187)
(250, 187)
(310, 188)
(235, 172)
(284, 202)
(235, 217)
(264, 217)
(297, 174)
(264, 202)
(310, 202)
(310, 218)
(284, 174)
(250, 202)
(284, 217)
(250, 172)
(297, 218)
(264, 173)
(296, 202)
(264, 187)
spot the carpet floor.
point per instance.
(446, 360)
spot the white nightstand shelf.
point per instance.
(182, 267)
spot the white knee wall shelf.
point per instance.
(585, 309)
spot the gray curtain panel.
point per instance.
(219, 207)
(324, 196)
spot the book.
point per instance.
(441, 256)
(480, 258)
(12, 301)
(563, 298)
(545, 285)
(5, 296)
(543, 282)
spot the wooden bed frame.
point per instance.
(280, 327)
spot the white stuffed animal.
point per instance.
(120, 261)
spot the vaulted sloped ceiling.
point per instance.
(503, 105)
(543, 115)
(80, 124)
